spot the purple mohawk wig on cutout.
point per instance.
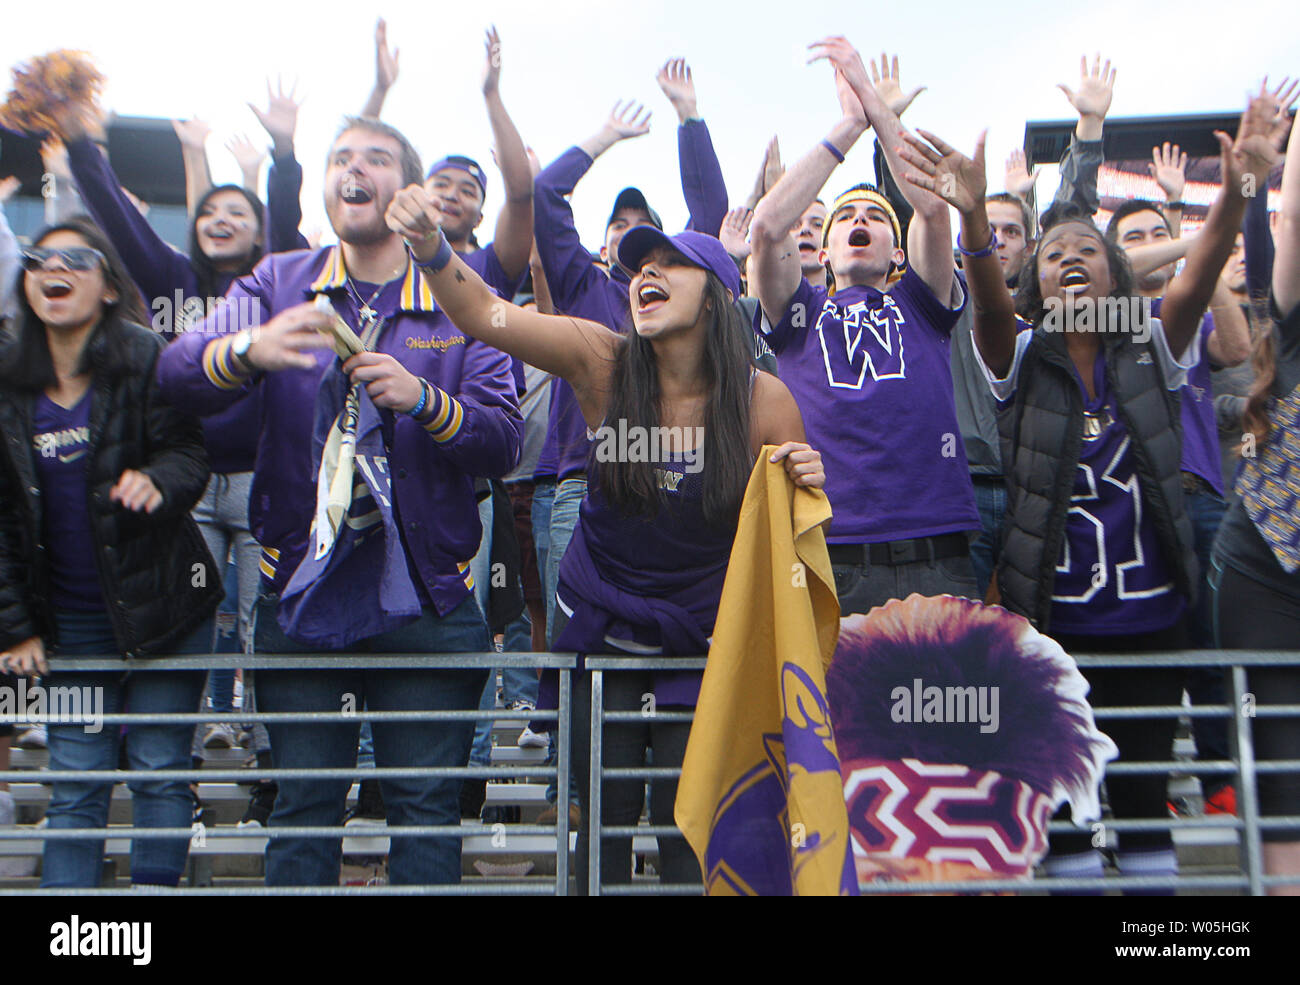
(1045, 735)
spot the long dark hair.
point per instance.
(1029, 297)
(203, 268)
(25, 361)
(632, 487)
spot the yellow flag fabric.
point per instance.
(760, 799)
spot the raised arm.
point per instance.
(579, 351)
(769, 173)
(1083, 158)
(961, 182)
(1286, 263)
(58, 188)
(929, 237)
(249, 157)
(284, 180)
(774, 262)
(513, 240)
(1246, 163)
(703, 186)
(193, 135)
(1169, 167)
(385, 71)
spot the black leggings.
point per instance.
(625, 745)
(1141, 796)
(1249, 615)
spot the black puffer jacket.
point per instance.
(1042, 434)
(157, 577)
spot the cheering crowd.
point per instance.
(370, 432)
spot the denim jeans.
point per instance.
(320, 803)
(543, 504)
(564, 517)
(155, 804)
(861, 587)
(1205, 685)
(991, 501)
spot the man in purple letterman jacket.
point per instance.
(583, 289)
(447, 411)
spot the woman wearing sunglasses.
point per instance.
(98, 552)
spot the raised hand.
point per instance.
(248, 156)
(280, 119)
(385, 60)
(626, 122)
(1282, 96)
(1169, 167)
(1096, 88)
(888, 85)
(492, 68)
(54, 155)
(679, 86)
(191, 133)
(1248, 160)
(769, 173)
(944, 171)
(734, 234)
(1019, 181)
(840, 53)
(850, 105)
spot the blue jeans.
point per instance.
(564, 517)
(155, 804)
(543, 503)
(991, 501)
(320, 803)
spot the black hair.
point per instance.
(25, 361)
(204, 270)
(1132, 207)
(1029, 296)
(632, 487)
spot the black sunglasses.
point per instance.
(73, 258)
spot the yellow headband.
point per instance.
(865, 193)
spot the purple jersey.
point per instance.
(1200, 430)
(872, 375)
(61, 438)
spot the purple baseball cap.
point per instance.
(699, 248)
(461, 163)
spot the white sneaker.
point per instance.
(222, 735)
(528, 739)
(36, 737)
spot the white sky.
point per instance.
(565, 62)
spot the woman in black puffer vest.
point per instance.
(98, 552)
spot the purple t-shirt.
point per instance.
(1200, 430)
(872, 375)
(61, 441)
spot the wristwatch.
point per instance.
(239, 349)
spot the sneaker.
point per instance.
(369, 808)
(199, 812)
(260, 805)
(220, 736)
(528, 739)
(36, 737)
(1222, 801)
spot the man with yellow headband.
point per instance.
(868, 360)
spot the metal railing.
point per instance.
(1247, 825)
(22, 840)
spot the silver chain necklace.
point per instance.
(364, 309)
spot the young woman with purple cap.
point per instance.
(678, 416)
